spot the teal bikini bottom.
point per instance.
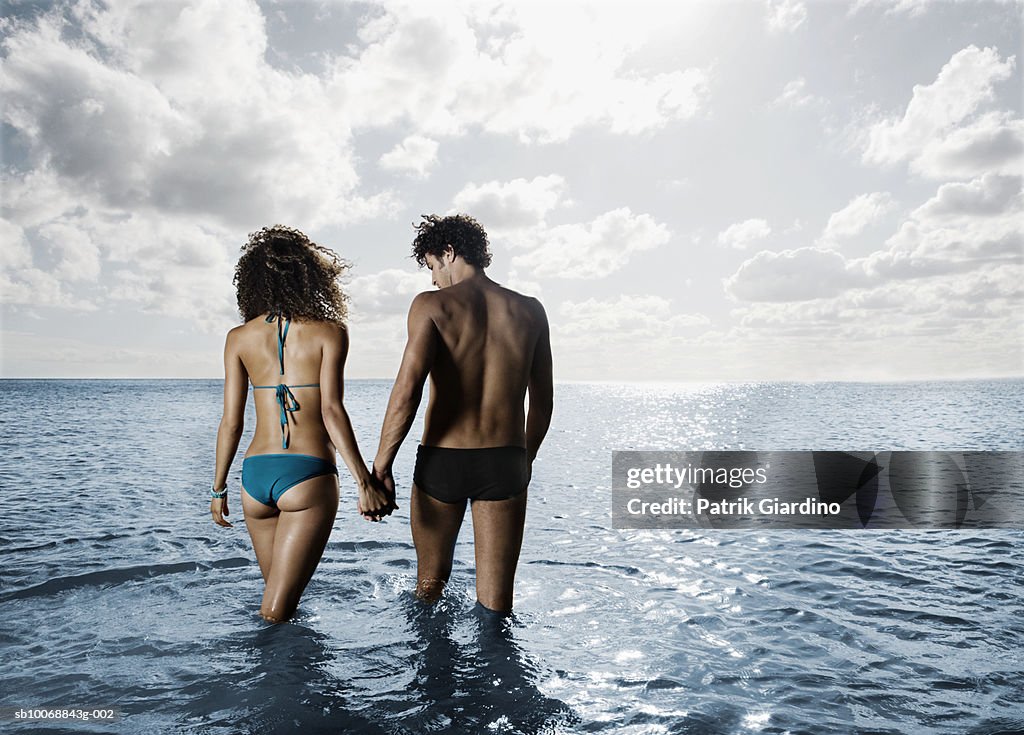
(266, 477)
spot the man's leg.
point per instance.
(498, 537)
(435, 528)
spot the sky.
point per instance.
(780, 190)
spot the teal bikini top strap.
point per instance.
(282, 334)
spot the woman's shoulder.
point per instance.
(325, 330)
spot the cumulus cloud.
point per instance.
(785, 15)
(934, 133)
(793, 275)
(385, 293)
(15, 253)
(628, 316)
(77, 257)
(992, 143)
(513, 204)
(443, 68)
(988, 195)
(140, 120)
(960, 228)
(861, 212)
(594, 249)
(742, 234)
(119, 119)
(517, 283)
(892, 309)
(965, 227)
(414, 155)
(37, 287)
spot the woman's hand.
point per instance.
(377, 499)
(219, 509)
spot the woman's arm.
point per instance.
(373, 502)
(231, 424)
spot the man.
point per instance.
(484, 348)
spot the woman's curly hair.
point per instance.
(282, 272)
(466, 236)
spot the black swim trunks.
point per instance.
(454, 475)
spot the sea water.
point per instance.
(118, 591)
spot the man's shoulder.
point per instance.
(425, 304)
(531, 303)
(424, 300)
(519, 297)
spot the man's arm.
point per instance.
(541, 388)
(408, 388)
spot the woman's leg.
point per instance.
(303, 527)
(261, 520)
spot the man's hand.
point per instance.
(378, 500)
(386, 478)
(219, 509)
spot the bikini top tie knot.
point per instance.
(286, 401)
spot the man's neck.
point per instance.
(466, 272)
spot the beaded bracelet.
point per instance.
(222, 493)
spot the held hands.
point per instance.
(378, 498)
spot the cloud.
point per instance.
(163, 131)
(989, 195)
(992, 143)
(861, 212)
(165, 266)
(414, 155)
(118, 118)
(794, 94)
(442, 69)
(932, 135)
(592, 250)
(511, 205)
(792, 275)
(962, 229)
(892, 7)
(629, 317)
(15, 253)
(78, 258)
(524, 286)
(912, 8)
(385, 293)
(785, 15)
(742, 234)
(994, 291)
(37, 287)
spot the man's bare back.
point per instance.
(487, 337)
(485, 348)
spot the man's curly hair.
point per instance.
(466, 236)
(282, 272)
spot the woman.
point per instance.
(292, 346)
